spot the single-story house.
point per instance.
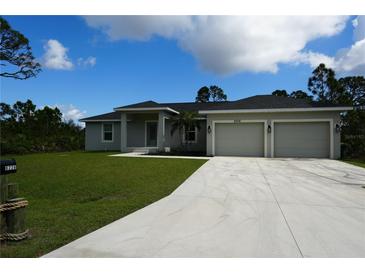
(257, 126)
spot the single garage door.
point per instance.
(302, 139)
(239, 139)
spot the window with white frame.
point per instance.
(190, 134)
(108, 132)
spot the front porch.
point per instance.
(149, 131)
(144, 131)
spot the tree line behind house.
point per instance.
(25, 129)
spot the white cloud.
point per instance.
(88, 62)
(347, 60)
(359, 25)
(258, 44)
(315, 58)
(55, 56)
(228, 44)
(140, 28)
(70, 112)
(352, 60)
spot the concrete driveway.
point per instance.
(244, 207)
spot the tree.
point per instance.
(217, 94)
(203, 95)
(6, 112)
(24, 128)
(280, 92)
(213, 94)
(324, 85)
(24, 111)
(345, 91)
(353, 122)
(15, 54)
(353, 88)
(300, 94)
(185, 119)
(49, 119)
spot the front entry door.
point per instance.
(151, 134)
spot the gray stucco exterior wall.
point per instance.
(174, 141)
(93, 137)
(136, 134)
(269, 117)
(136, 130)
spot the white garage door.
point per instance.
(239, 139)
(302, 139)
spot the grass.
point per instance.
(72, 194)
(356, 162)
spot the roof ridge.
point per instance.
(147, 101)
(170, 103)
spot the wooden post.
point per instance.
(12, 191)
(3, 198)
(3, 189)
(15, 219)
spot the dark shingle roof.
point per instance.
(269, 102)
(106, 116)
(254, 102)
(145, 104)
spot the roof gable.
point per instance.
(145, 104)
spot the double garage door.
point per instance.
(290, 139)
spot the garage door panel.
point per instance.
(239, 139)
(302, 139)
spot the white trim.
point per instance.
(274, 110)
(163, 126)
(111, 120)
(145, 130)
(196, 136)
(146, 109)
(102, 133)
(142, 147)
(302, 121)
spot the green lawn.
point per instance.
(356, 162)
(72, 194)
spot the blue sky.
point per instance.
(139, 59)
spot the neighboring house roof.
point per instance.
(256, 103)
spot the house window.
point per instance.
(108, 132)
(190, 134)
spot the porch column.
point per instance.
(161, 131)
(123, 132)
